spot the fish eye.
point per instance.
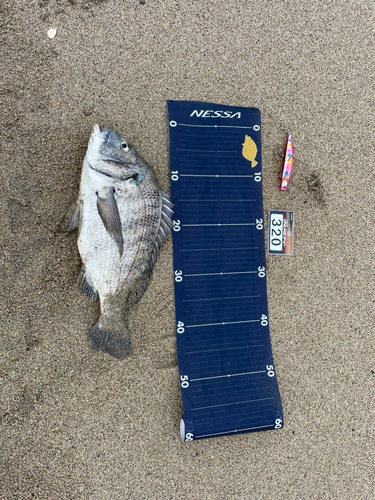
(125, 146)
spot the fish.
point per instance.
(250, 150)
(287, 165)
(123, 218)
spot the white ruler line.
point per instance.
(225, 349)
(224, 323)
(228, 404)
(212, 126)
(252, 400)
(196, 225)
(205, 151)
(221, 201)
(216, 249)
(223, 298)
(213, 406)
(227, 376)
(221, 274)
(271, 426)
(213, 175)
(198, 150)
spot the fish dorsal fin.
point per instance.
(165, 228)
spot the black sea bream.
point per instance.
(123, 217)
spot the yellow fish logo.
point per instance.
(250, 150)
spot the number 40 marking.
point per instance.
(264, 320)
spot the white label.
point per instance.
(276, 232)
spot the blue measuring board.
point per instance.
(226, 371)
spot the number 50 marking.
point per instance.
(270, 370)
(184, 381)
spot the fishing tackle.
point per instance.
(288, 164)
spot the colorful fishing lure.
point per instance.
(288, 164)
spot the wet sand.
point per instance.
(77, 424)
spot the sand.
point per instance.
(77, 424)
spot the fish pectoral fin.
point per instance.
(87, 289)
(108, 211)
(71, 218)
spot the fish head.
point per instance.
(110, 154)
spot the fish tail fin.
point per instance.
(111, 337)
(254, 164)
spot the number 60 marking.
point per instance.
(278, 423)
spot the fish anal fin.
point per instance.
(254, 164)
(108, 211)
(139, 287)
(85, 287)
